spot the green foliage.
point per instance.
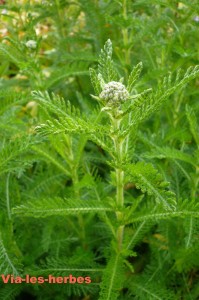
(50, 207)
(148, 180)
(191, 116)
(8, 263)
(12, 54)
(112, 279)
(134, 76)
(12, 157)
(107, 190)
(147, 104)
(106, 67)
(9, 292)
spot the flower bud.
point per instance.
(114, 91)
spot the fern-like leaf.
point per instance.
(106, 66)
(10, 98)
(65, 266)
(51, 157)
(10, 291)
(75, 69)
(150, 291)
(144, 106)
(61, 207)
(95, 81)
(69, 118)
(8, 263)
(194, 127)
(112, 279)
(183, 209)
(12, 54)
(136, 235)
(11, 154)
(166, 152)
(150, 181)
(134, 76)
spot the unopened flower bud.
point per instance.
(114, 91)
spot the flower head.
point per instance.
(196, 18)
(31, 44)
(114, 91)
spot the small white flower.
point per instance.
(34, 14)
(196, 19)
(31, 44)
(114, 91)
(4, 11)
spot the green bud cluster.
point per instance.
(114, 91)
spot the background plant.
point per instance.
(33, 168)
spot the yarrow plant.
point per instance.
(31, 44)
(99, 180)
(126, 214)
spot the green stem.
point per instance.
(119, 152)
(59, 19)
(75, 181)
(195, 184)
(126, 36)
(120, 192)
(8, 197)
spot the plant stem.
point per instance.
(126, 36)
(75, 181)
(8, 197)
(119, 152)
(59, 19)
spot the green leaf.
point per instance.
(194, 126)
(137, 233)
(62, 73)
(65, 266)
(147, 178)
(106, 66)
(166, 152)
(10, 291)
(9, 264)
(51, 157)
(42, 208)
(13, 55)
(69, 119)
(112, 279)
(183, 209)
(134, 76)
(12, 154)
(95, 81)
(150, 291)
(147, 104)
(10, 98)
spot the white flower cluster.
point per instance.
(114, 91)
(31, 44)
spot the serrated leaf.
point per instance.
(106, 65)
(112, 279)
(194, 126)
(147, 178)
(57, 206)
(134, 76)
(95, 81)
(149, 103)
